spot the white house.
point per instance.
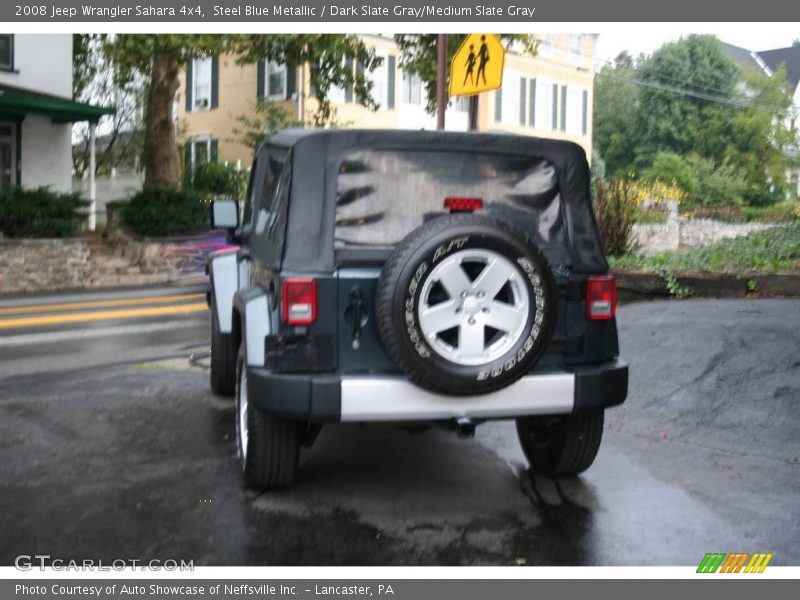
(37, 111)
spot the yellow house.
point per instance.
(547, 95)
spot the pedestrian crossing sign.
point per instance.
(477, 65)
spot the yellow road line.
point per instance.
(152, 311)
(34, 308)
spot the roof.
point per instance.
(741, 56)
(787, 56)
(18, 102)
(318, 153)
(425, 137)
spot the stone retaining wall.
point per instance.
(32, 265)
(28, 266)
(688, 233)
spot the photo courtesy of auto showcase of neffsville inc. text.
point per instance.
(489, 296)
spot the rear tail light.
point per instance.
(601, 298)
(458, 204)
(299, 295)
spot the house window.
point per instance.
(543, 105)
(510, 98)
(574, 110)
(7, 157)
(201, 83)
(7, 52)
(576, 45)
(276, 81)
(201, 149)
(548, 45)
(412, 89)
(460, 104)
(379, 80)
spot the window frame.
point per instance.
(284, 72)
(196, 63)
(410, 80)
(203, 138)
(10, 66)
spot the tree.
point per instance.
(689, 103)
(761, 136)
(94, 81)
(616, 106)
(685, 104)
(419, 53)
(158, 58)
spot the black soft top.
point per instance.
(316, 156)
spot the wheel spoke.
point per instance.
(454, 279)
(439, 317)
(503, 317)
(493, 277)
(470, 340)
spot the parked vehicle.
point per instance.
(393, 276)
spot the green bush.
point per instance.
(705, 183)
(217, 179)
(41, 213)
(166, 211)
(671, 168)
(716, 185)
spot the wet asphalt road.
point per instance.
(111, 446)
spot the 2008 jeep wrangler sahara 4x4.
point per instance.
(414, 276)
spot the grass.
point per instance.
(772, 251)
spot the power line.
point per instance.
(700, 94)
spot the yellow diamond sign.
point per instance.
(477, 66)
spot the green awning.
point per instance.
(16, 103)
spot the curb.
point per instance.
(641, 285)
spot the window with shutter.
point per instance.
(412, 89)
(201, 83)
(276, 81)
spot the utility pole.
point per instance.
(441, 76)
(473, 113)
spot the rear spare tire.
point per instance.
(465, 305)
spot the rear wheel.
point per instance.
(268, 448)
(561, 446)
(223, 357)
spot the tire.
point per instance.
(223, 357)
(562, 446)
(471, 357)
(267, 448)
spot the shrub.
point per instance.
(616, 206)
(166, 211)
(620, 203)
(40, 212)
(671, 168)
(217, 179)
(716, 184)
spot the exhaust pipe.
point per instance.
(465, 428)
